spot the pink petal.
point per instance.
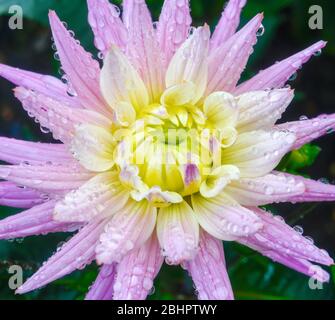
(277, 75)
(264, 190)
(173, 27)
(309, 130)
(35, 221)
(74, 254)
(224, 219)
(279, 237)
(314, 190)
(137, 271)
(106, 24)
(301, 265)
(227, 62)
(100, 195)
(102, 289)
(47, 178)
(178, 232)
(57, 117)
(17, 151)
(13, 196)
(208, 270)
(228, 23)
(142, 46)
(128, 229)
(81, 69)
(47, 85)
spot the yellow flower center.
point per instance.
(172, 149)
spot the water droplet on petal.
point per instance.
(260, 31)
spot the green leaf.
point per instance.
(256, 277)
(299, 159)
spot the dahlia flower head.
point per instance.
(163, 154)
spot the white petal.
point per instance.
(103, 193)
(261, 109)
(257, 153)
(190, 62)
(223, 218)
(178, 232)
(128, 229)
(264, 190)
(218, 179)
(93, 147)
(119, 81)
(221, 110)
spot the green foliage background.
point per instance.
(252, 276)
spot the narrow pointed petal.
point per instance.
(128, 229)
(264, 190)
(137, 271)
(12, 195)
(309, 130)
(300, 265)
(223, 218)
(178, 232)
(277, 75)
(315, 191)
(102, 288)
(103, 193)
(74, 254)
(227, 62)
(190, 62)
(93, 147)
(55, 116)
(106, 24)
(256, 153)
(228, 23)
(44, 84)
(32, 222)
(208, 270)
(173, 27)
(120, 82)
(261, 109)
(46, 178)
(17, 151)
(142, 46)
(81, 69)
(279, 237)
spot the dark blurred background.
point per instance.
(286, 32)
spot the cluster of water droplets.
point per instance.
(139, 279)
(87, 202)
(280, 237)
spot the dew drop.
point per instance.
(303, 118)
(298, 229)
(260, 31)
(293, 77)
(56, 56)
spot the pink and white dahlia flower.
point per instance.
(163, 154)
